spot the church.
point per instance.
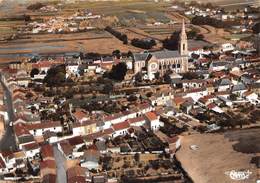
(162, 61)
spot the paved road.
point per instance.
(61, 167)
(8, 140)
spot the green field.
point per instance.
(7, 28)
(126, 11)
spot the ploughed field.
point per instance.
(219, 153)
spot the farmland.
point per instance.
(136, 19)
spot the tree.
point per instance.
(200, 37)
(35, 6)
(256, 28)
(192, 34)
(55, 76)
(34, 71)
(132, 98)
(172, 42)
(138, 77)
(233, 97)
(190, 75)
(157, 75)
(137, 157)
(118, 71)
(116, 53)
(143, 43)
(108, 88)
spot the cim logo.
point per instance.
(238, 175)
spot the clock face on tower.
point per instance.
(153, 67)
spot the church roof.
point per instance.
(166, 54)
(140, 56)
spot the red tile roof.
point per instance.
(7, 154)
(21, 130)
(121, 126)
(43, 125)
(74, 173)
(79, 115)
(51, 164)
(66, 147)
(151, 116)
(2, 163)
(135, 120)
(113, 116)
(47, 151)
(49, 178)
(85, 123)
(75, 140)
(178, 100)
(211, 105)
(31, 146)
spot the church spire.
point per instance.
(183, 30)
(183, 42)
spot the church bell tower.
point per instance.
(183, 41)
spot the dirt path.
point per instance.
(213, 35)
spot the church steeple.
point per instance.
(183, 41)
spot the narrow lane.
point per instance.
(60, 163)
(8, 141)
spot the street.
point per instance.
(60, 163)
(8, 141)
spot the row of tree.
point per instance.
(143, 43)
(122, 37)
(200, 20)
(256, 28)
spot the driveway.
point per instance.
(8, 141)
(61, 167)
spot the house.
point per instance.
(239, 89)
(90, 159)
(49, 178)
(76, 174)
(9, 160)
(80, 116)
(113, 119)
(84, 128)
(48, 167)
(101, 146)
(76, 142)
(187, 105)
(196, 93)
(120, 128)
(38, 129)
(72, 68)
(177, 101)
(47, 152)
(161, 98)
(252, 97)
(225, 100)
(223, 84)
(31, 150)
(3, 169)
(22, 135)
(138, 121)
(218, 66)
(227, 47)
(66, 149)
(152, 121)
(214, 107)
(194, 83)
